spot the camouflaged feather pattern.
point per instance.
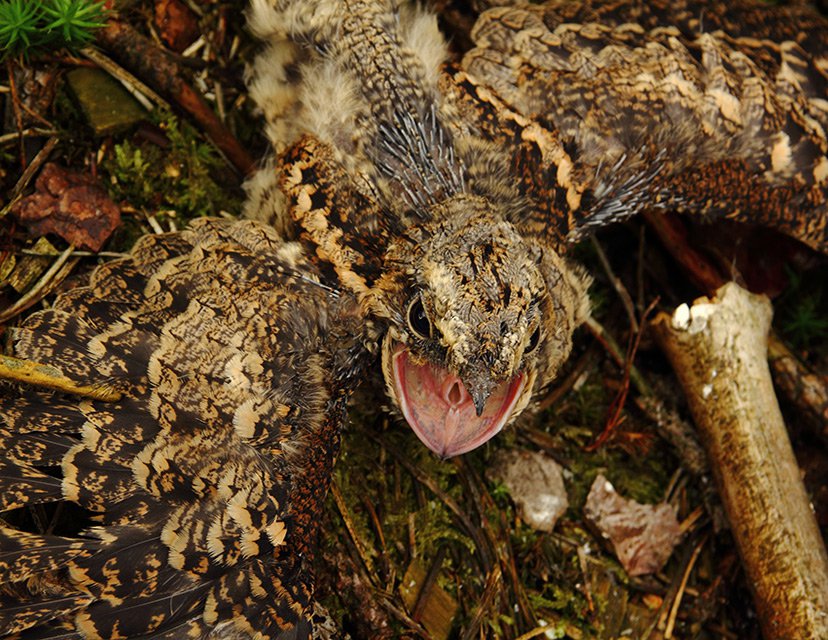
(575, 115)
(562, 119)
(712, 109)
(203, 484)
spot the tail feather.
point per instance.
(47, 633)
(60, 339)
(127, 421)
(139, 616)
(18, 615)
(38, 412)
(112, 286)
(21, 485)
(34, 449)
(25, 554)
(194, 628)
(92, 483)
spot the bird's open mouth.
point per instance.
(440, 410)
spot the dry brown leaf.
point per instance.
(642, 535)
(71, 205)
(535, 482)
(177, 24)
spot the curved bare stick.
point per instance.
(718, 349)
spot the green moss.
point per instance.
(802, 311)
(178, 178)
(577, 422)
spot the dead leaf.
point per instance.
(36, 89)
(642, 535)
(440, 608)
(177, 24)
(535, 482)
(71, 205)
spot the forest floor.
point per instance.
(412, 546)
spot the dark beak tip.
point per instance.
(479, 388)
(480, 404)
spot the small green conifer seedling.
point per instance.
(31, 27)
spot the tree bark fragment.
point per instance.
(806, 390)
(142, 57)
(719, 352)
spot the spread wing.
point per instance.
(716, 109)
(194, 510)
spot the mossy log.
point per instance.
(718, 349)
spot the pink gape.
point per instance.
(440, 410)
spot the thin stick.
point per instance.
(617, 353)
(40, 288)
(428, 584)
(616, 283)
(26, 133)
(41, 157)
(44, 376)
(18, 116)
(141, 92)
(674, 609)
(76, 254)
(493, 587)
(537, 631)
(349, 524)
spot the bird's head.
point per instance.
(477, 320)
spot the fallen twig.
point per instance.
(617, 406)
(616, 283)
(494, 585)
(53, 276)
(141, 92)
(685, 576)
(142, 57)
(41, 157)
(671, 232)
(349, 525)
(718, 350)
(807, 391)
(804, 388)
(42, 376)
(427, 585)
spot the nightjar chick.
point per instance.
(443, 193)
(400, 201)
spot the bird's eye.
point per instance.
(534, 339)
(418, 321)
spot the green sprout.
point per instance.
(801, 310)
(178, 177)
(29, 27)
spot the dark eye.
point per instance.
(418, 321)
(534, 339)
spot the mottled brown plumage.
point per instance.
(700, 107)
(399, 199)
(422, 207)
(201, 486)
(449, 190)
